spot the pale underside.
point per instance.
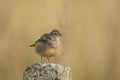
(45, 50)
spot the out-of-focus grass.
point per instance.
(91, 41)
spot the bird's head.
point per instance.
(55, 32)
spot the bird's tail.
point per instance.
(32, 45)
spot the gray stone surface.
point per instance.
(47, 71)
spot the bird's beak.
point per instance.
(60, 34)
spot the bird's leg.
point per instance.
(41, 59)
(48, 59)
(54, 59)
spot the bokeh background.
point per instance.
(91, 41)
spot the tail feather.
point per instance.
(32, 45)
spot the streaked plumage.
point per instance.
(49, 44)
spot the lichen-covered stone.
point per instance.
(47, 71)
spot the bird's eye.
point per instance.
(55, 33)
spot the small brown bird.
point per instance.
(48, 45)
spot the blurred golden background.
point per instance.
(91, 41)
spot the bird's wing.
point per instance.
(45, 38)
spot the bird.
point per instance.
(48, 45)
